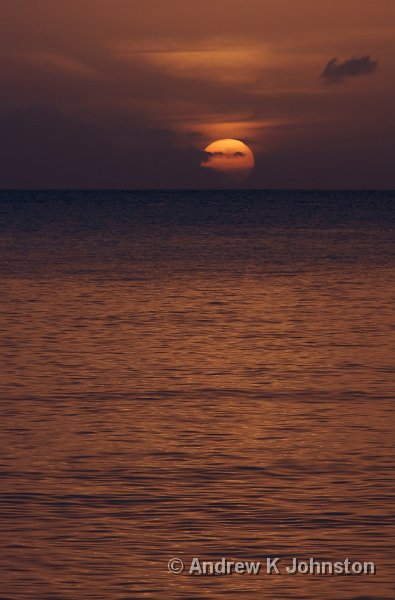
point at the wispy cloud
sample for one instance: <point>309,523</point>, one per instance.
<point>59,62</point>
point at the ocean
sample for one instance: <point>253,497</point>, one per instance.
<point>195,375</point>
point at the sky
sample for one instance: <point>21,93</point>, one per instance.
<point>129,93</point>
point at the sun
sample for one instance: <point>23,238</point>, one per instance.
<point>231,158</point>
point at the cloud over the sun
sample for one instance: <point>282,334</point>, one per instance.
<point>336,71</point>
<point>237,154</point>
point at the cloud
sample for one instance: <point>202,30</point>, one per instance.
<point>42,148</point>
<point>224,154</point>
<point>61,63</point>
<point>354,67</point>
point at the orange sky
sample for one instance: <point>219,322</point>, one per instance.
<point>127,93</point>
